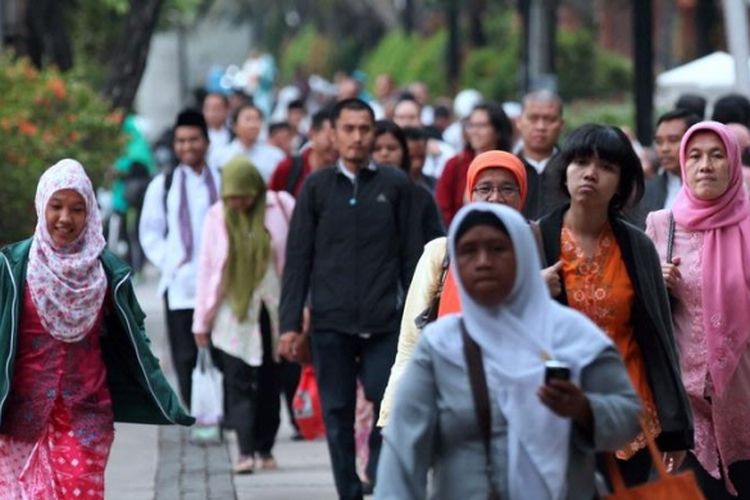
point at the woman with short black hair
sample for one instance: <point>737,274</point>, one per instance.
<point>609,270</point>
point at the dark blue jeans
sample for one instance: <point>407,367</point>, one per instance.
<point>340,359</point>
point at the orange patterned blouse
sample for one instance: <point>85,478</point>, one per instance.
<point>600,288</point>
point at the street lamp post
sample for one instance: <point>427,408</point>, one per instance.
<point>453,50</point>
<point>735,19</point>
<point>538,48</point>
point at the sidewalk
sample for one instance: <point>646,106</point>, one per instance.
<point>149,462</point>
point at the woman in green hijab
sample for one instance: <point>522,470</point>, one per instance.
<point>237,298</point>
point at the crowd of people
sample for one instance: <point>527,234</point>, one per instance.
<point>490,311</point>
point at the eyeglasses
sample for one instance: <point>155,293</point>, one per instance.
<point>506,190</point>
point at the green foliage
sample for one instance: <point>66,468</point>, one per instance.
<point>44,117</point>
<point>427,64</point>
<point>585,70</point>
<point>309,51</point>
<point>391,56</point>
<point>616,113</point>
<point>95,27</point>
<point>410,58</point>
<point>493,72</point>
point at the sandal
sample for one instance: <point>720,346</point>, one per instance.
<point>244,465</point>
<point>268,463</point>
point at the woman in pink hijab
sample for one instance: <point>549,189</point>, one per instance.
<point>704,242</point>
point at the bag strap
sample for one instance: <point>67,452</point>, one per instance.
<point>294,174</point>
<point>478,382</point>
<point>431,311</point>
<point>280,202</point>
<point>168,178</point>
<point>618,484</point>
<point>443,274</point>
<point>670,237</point>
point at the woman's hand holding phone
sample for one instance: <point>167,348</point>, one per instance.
<point>565,398</point>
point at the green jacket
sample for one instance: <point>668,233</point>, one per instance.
<point>140,393</point>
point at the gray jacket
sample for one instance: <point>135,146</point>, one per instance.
<point>433,426</point>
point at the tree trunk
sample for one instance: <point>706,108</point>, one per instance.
<point>705,22</point>
<point>476,13</point>
<point>408,17</point>
<point>453,52</point>
<point>47,40</point>
<point>131,52</point>
<point>643,48</point>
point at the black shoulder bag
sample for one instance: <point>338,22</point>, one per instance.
<point>478,382</point>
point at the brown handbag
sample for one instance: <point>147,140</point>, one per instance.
<point>682,486</point>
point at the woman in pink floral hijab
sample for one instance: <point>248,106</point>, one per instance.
<point>65,276</point>
<point>73,352</point>
<point>704,242</point>
<point>57,428</point>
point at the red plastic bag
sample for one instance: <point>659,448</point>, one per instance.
<point>306,405</point>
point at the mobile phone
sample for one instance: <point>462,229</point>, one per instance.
<point>556,369</point>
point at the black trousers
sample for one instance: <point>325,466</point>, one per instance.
<point>182,348</point>
<point>340,359</point>
<point>267,418</point>
<point>715,489</point>
<point>240,400</point>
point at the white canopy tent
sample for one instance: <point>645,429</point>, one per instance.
<point>710,76</point>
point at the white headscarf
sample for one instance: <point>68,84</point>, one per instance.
<point>67,284</point>
<point>516,338</point>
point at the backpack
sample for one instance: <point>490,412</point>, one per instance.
<point>168,178</point>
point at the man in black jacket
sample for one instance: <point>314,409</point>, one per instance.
<point>352,250</point>
<point>540,124</point>
<point>661,190</point>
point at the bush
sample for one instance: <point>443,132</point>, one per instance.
<point>46,116</point>
<point>391,55</point>
<point>584,70</point>
<point>493,72</point>
<point>309,51</point>
<point>427,63</point>
<point>613,113</point>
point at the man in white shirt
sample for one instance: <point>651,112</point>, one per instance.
<point>170,230</point>
<point>248,123</point>
<point>216,112</point>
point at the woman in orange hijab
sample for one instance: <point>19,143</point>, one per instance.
<point>495,177</point>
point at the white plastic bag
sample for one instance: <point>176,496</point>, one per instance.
<point>207,396</point>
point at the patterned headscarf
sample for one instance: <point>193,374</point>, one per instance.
<point>67,284</point>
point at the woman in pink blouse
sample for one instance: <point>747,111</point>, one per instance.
<point>238,288</point>
<point>704,242</point>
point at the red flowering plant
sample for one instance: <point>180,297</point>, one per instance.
<point>46,116</point>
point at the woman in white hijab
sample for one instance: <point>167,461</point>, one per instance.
<point>543,437</point>
<point>73,352</point>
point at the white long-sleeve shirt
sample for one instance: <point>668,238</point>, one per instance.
<point>167,253</point>
<point>434,164</point>
<point>219,138</point>
<point>264,156</point>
